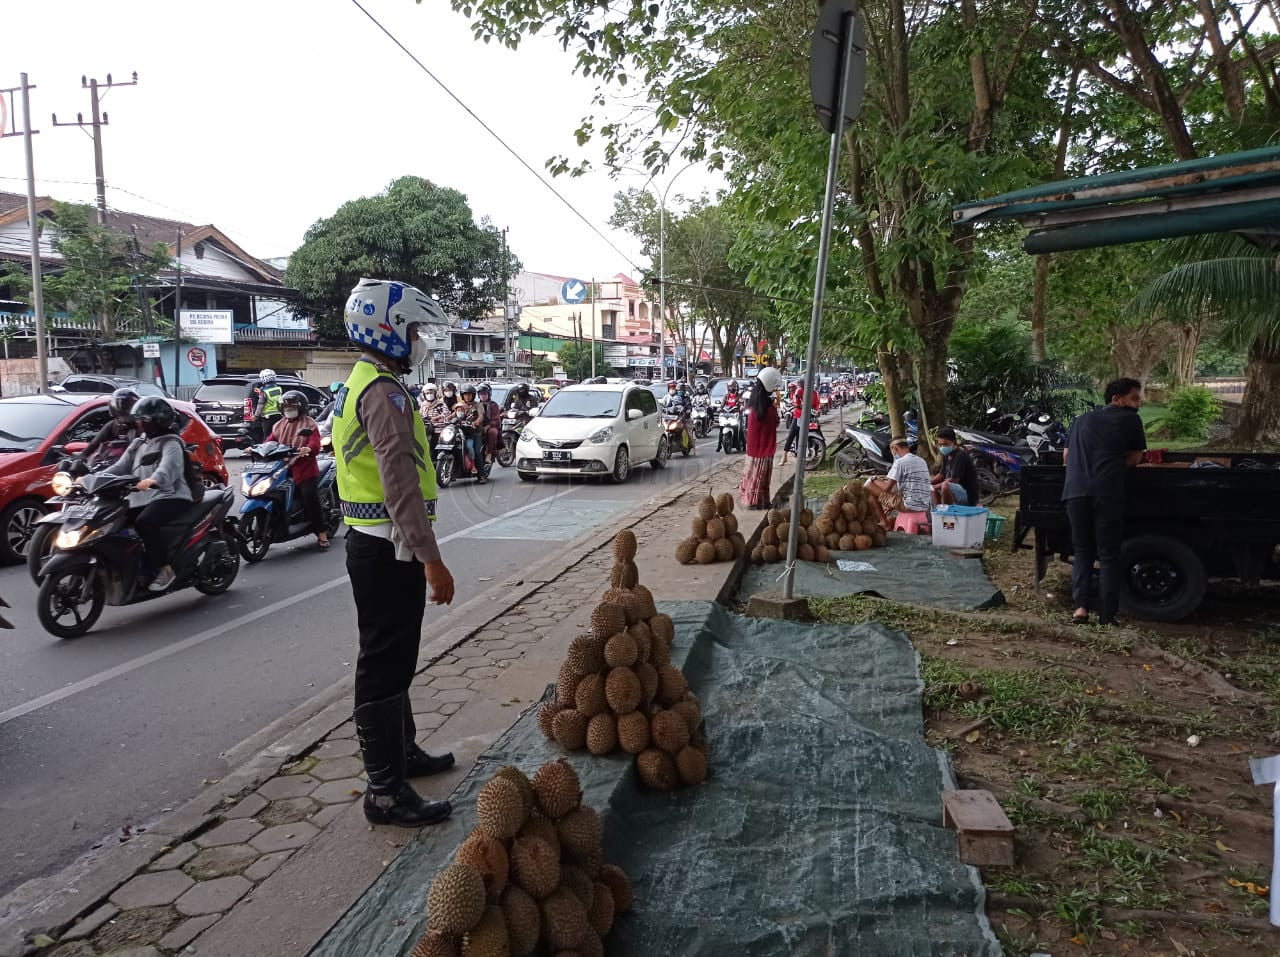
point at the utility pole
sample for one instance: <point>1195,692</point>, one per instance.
<point>177,316</point>
<point>96,123</point>
<point>33,223</point>
<point>593,327</point>
<point>506,306</point>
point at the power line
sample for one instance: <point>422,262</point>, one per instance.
<point>488,129</point>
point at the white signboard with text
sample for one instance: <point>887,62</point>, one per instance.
<point>208,325</point>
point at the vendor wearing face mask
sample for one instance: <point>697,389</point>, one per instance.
<point>302,467</point>
<point>957,481</point>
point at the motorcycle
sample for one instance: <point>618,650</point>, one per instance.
<point>97,558</point>
<point>453,461</point>
<point>998,460</point>
<point>816,447</point>
<point>272,512</point>
<point>513,424</point>
<point>702,416</point>
<point>863,451</point>
<point>733,432</point>
<point>678,436</point>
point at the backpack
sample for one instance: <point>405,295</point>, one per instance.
<point>192,472</point>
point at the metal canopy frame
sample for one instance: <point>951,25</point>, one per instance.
<point>1235,192</point>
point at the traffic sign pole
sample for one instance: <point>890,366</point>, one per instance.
<point>849,30</point>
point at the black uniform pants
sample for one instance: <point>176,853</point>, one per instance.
<point>1097,530</point>
<point>150,521</point>
<point>391,598</point>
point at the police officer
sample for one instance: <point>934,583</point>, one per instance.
<point>266,406</point>
<point>388,489</point>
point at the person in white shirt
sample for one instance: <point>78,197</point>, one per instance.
<point>906,488</point>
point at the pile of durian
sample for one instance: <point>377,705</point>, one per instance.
<point>532,872</point>
<point>617,687</point>
<point>715,535</point>
<point>845,524</point>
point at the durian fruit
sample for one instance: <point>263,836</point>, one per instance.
<point>566,685</point>
<point>691,766</point>
<point>615,878</point>
<point>648,676</point>
<point>535,866</point>
<point>689,709</point>
<point>487,856</point>
<point>825,525</point>
<point>489,937</point>
<point>564,920</point>
<point>822,554</point>
<point>580,832</point>
<point>524,920</point>
<point>862,542</point>
<point>624,546</point>
<point>739,545</point>
<point>601,912</point>
<point>588,698</point>
<point>500,805</point>
<point>632,607</point>
<point>647,607</point>
<point>775,516</point>
<point>544,829</point>
<point>633,732</point>
<point>435,944</point>
<point>663,627</point>
<point>849,511</point>
<point>557,788</point>
<point>657,769</point>
<point>878,539</point>
<point>724,503</point>
<point>757,554</point>
<point>578,883</point>
<point>669,730</point>
<point>770,554</point>
<point>842,527</point>
<point>590,946</point>
<point>602,734</point>
<point>847,543</point>
<point>671,685</point>
<point>585,655</point>
<point>705,553</point>
<point>769,536</point>
<point>622,690</point>
<point>730,523</point>
<point>521,781</point>
<point>624,575</point>
<point>621,651</point>
<point>715,529</point>
<point>805,552</point>
<point>641,635</point>
<point>698,528</point>
<point>547,712</point>
<point>724,550</point>
<point>686,551</point>
<point>571,729</point>
<point>784,534</point>
<point>812,536</point>
<point>806,518</point>
<point>607,620</point>
<point>707,508</point>
<point>456,900</point>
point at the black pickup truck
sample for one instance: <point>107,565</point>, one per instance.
<point>1188,519</point>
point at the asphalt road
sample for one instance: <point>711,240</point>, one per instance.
<point>109,730</point>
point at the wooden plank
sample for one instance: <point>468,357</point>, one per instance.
<point>984,834</point>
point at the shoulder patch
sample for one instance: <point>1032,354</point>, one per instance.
<point>399,401</point>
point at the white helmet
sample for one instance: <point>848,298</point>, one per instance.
<point>380,313</point>
<point>267,375</point>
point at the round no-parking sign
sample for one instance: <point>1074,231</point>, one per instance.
<point>196,357</point>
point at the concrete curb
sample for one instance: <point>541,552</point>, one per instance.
<point>51,904</point>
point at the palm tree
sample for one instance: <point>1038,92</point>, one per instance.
<point>1226,277</point>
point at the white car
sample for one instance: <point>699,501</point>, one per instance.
<point>596,428</point>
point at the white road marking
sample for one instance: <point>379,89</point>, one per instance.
<point>159,654</point>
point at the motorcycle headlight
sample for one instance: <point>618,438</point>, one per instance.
<point>252,485</point>
<point>68,538</point>
<point>62,483</point>
<point>447,433</point>
<point>604,435</point>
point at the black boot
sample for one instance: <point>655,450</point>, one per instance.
<point>389,799</point>
<point>417,763</point>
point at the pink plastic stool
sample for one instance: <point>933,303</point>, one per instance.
<point>913,523</point>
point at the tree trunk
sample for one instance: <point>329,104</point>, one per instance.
<point>1039,307</point>
<point>1260,411</point>
<point>891,377</point>
<point>1136,350</point>
<point>1183,370</point>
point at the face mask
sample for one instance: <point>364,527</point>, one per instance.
<point>290,413</point>
<point>946,449</point>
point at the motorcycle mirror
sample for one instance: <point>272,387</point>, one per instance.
<point>75,448</point>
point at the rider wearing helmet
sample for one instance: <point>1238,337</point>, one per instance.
<point>156,460</point>
<point>521,398</point>
<point>450,396</point>
<point>113,438</point>
<point>470,414</point>
<point>303,468</point>
<point>492,420</point>
<point>266,400</point>
<point>388,490</point>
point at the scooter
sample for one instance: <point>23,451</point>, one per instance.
<point>678,436</point>
<point>817,446</point>
<point>453,462</point>
<point>702,416</point>
<point>513,424</point>
<point>97,558</point>
<point>49,524</point>
<point>733,433</point>
<point>272,511</point>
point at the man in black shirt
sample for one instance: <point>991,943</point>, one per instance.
<point>957,481</point>
<point>1102,446</point>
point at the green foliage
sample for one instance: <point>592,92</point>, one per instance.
<point>1189,413</point>
<point>575,357</point>
<point>993,367</point>
<point>542,368</point>
<point>414,232</point>
<point>1215,360</point>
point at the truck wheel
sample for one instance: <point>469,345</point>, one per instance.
<point>1162,579</point>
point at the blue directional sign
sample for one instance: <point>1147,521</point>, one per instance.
<point>573,291</point>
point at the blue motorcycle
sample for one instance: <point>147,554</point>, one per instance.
<point>272,510</point>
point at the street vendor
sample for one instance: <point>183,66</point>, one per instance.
<point>957,480</point>
<point>905,489</point>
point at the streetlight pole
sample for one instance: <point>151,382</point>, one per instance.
<point>662,272</point>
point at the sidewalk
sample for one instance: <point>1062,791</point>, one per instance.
<point>268,869</point>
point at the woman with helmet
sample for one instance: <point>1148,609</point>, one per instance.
<point>114,437</point>
<point>450,395</point>
<point>470,415</point>
<point>304,471</point>
<point>162,496</point>
<point>762,440</point>
<point>388,488</point>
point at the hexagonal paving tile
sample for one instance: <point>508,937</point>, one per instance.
<point>450,681</point>
<point>509,654</point>
<point>266,865</point>
<point>336,748</point>
<point>220,861</point>
<point>151,890</point>
<point>285,837</point>
<point>428,721</point>
<point>287,810</point>
<point>454,694</point>
<point>213,897</point>
<point>450,707</point>
<point>337,768</point>
<point>175,858</point>
<point>229,832</point>
<point>338,792</point>
<point>248,806</point>
<point>288,786</point>
<point>482,673</point>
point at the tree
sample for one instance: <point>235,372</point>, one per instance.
<point>575,357</point>
<point>100,275</point>
<point>414,232</point>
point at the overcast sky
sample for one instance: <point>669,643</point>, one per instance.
<point>261,116</point>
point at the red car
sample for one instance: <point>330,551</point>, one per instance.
<point>37,431</point>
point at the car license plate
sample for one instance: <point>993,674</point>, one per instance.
<point>217,418</point>
<point>557,456</point>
